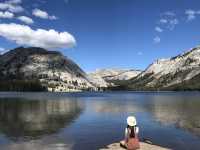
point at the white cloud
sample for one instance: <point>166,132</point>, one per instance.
<point>26,19</point>
<point>16,9</point>
<point>140,53</point>
<point>170,13</point>
<point>24,35</point>
<point>168,21</point>
<point>158,29</point>
<point>6,14</point>
<point>53,17</point>
<point>191,14</point>
<point>157,40</point>
<point>2,50</point>
<point>172,23</point>
<point>12,6</point>
<point>43,14</point>
<point>163,21</point>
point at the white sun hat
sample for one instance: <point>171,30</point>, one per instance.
<point>131,121</point>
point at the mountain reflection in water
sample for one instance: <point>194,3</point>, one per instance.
<point>166,109</point>
<point>181,112</point>
<point>21,118</point>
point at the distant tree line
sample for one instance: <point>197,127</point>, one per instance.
<point>21,85</point>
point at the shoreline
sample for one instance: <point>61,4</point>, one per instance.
<point>143,146</point>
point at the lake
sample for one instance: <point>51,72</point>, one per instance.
<point>89,121</point>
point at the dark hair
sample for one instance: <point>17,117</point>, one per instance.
<point>132,129</point>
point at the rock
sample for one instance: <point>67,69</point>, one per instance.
<point>143,146</point>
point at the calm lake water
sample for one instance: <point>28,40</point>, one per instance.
<point>88,121</point>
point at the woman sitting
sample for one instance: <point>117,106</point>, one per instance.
<point>131,141</point>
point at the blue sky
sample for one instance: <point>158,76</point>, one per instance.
<point>103,33</point>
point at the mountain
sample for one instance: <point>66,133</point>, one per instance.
<point>113,77</point>
<point>36,69</point>
<point>177,73</point>
<point>24,68</point>
<point>98,81</point>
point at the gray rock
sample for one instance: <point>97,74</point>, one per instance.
<point>143,146</point>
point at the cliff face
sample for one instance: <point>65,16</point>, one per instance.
<point>113,77</point>
<point>177,73</point>
<point>55,71</point>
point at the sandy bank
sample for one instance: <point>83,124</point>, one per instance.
<point>143,146</point>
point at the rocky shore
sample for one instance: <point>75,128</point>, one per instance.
<point>143,146</point>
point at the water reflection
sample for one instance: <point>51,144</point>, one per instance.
<point>116,107</point>
<point>22,118</point>
<point>36,124</point>
<point>37,145</point>
<point>179,111</point>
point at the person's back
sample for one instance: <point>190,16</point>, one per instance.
<point>131,141</point>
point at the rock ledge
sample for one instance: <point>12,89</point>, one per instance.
<point>143,146</point>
